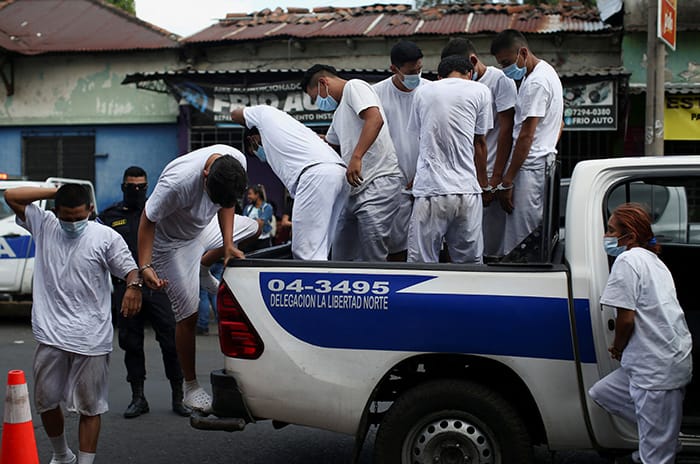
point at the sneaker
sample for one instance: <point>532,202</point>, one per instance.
<point>68,458</point>
<point>198,400</point>
<point>201,331</point>
<point>207,281</point>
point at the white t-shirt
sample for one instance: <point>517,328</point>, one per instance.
<point>540,95</point>
<point>503,96</point>
<point>289,145</point>
<point>397,107</point>
<point>446,114</point>
<point>71,293</point>
<point>658,355</point>
<point>380,159</point>
<point>179,204</point>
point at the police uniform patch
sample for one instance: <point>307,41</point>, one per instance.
<point>120,222</point>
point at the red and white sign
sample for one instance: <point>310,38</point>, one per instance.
<point>667,22</point>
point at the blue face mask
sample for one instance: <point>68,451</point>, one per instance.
<point>260,153</point>
<point>514,71</point>
<point>327,103</point>
<point>612,246</point>
<point>73,229</point>
<point>411,81</point>
<point>475,75</point>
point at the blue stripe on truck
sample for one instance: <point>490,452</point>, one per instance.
<point>368,312</point>
<point>19,247</point>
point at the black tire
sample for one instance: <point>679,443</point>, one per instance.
<point>446,421</point>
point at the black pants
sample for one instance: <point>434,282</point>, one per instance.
<point>155,308</point>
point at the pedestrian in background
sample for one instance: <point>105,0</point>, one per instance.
<point>396,96</point>
<point>538,122</point>
<point>207,301</point>
<point>652,341</point>
<point>124,217</point>
<point>261,211</point>
<point>71,310</point>
<point>359,129</point>
<point>499,140</point>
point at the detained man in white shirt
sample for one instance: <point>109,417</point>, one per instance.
<point>71,311</point>
<point>396,96</point>
<point>373,172</point>
<point>452,117</point>
<point>309,168</point>
<point>190,213</point>
<point>537,126</point>
<point>652,340</point>
<point>499,140</point>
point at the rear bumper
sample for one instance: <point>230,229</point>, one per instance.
<point>230,412</point>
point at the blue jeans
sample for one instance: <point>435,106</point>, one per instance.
<point>208,300</point>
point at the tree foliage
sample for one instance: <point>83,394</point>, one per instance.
<point>127,5</point>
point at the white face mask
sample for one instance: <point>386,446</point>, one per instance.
<point>612,246</point>
<point>74,229</point>
<point>410,81</point>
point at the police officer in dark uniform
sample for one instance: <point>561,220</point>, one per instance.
<point>124,218</point>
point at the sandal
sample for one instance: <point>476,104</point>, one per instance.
<point>198,400</point>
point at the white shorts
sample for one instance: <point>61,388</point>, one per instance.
<point>365,223</point>
<point>528,205</point>
<point>455,218</point>
<point>321,194</point>
<point>494,229</point>
<point>78,381</point>
<point>398,237</point>
<point>178,262</point>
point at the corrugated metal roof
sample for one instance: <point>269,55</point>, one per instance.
<point>33,27</point>
<point>399,20</point>
<point>200,74</point>
<point>690,88</point>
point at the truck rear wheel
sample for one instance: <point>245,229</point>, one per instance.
<point>452,422</point>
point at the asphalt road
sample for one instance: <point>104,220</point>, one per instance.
<point>161,437</point>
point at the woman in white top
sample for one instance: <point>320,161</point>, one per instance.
<point>652,341</point>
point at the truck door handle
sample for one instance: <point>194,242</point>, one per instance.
<point>611,325</point>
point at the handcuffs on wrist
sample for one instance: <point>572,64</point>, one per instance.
<point>138,283</point>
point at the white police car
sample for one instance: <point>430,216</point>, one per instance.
<point>16,244</point>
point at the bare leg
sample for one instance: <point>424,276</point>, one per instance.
<point>186,346</point>
<point>88,432</point>
<point>53,422</point>
<point>212,256</point>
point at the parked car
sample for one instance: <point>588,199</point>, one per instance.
<point>16,243</point>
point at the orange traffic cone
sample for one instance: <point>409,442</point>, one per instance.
<point>18,443</point>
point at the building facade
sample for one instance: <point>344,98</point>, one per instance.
<point>63,110</point>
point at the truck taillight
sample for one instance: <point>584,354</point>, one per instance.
<point>237,337</point>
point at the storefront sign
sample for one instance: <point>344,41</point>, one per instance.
<point>682,117</point>
<point>212,103</point>
<point>591,106</point>
<point>666,23</point>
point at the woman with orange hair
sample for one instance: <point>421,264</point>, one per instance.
<point>652,341</point>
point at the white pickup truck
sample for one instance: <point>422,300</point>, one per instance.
<point>456,363</point>
<point>16,243</point>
